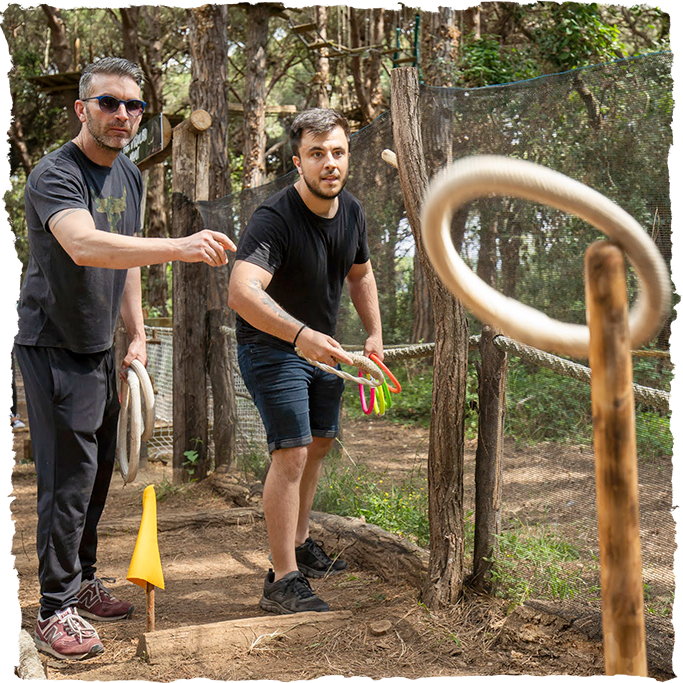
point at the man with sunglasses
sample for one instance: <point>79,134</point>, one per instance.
<point>82,213</point>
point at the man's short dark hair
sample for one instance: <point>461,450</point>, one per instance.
<point>111,66</point>
<point>317,122</point>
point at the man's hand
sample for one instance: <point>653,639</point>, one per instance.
<point>207,246</point>
<point>137,349</point>
<point>321,347</point>
<point>373,344</point>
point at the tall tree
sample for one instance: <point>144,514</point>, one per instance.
<point>209,91</point>
<point>322,71</point>
<point>254,99</point>
<point>63,58</point>
<point>446,434</point>
<point>367,30</point>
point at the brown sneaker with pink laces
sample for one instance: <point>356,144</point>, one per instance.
<point>97,603</point>
<point>66,635</point>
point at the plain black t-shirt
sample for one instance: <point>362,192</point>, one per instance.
<point>308,255</point>
<point>61,304</point>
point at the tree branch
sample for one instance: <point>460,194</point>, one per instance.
<point>281,72</point>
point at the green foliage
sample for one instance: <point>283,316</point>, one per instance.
<point>653,435</point>
<point>579,35</point>
<point>191,457</point>
<point>358,492</point>
<point>485,61</point>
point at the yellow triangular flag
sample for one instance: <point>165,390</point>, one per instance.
<point>145,566</point>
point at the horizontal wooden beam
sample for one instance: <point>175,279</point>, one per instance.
<point>235,637</point>
<point>235,108</point>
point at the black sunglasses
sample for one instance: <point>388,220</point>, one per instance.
<point>110,105</point>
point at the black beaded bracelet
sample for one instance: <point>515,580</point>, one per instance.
<point>298,333</point>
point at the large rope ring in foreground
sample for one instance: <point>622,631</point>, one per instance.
<point>478,176</point>
<point>375,379</point>
<point>128,448</point>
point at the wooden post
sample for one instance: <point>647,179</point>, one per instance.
<point>190,412</point>
<point>149,593</point>
<point>489,459</point>
<point>616,471</point>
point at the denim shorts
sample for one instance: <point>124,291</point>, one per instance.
<point>296,400</point>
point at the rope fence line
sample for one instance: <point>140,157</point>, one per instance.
<point>654,398</point>
<point>250,428</point>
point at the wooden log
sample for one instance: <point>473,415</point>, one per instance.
<point>616,467</point>
<point>177,520</point>
<point>190,410</point>
<point>372,548</point>
<point>235,637</point>
<point>492,374</point>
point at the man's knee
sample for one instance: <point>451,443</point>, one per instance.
<point>288,463</point>
<point>320,447</point>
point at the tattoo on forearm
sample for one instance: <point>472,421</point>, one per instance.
<point>52,223</point>
<point>276,308</point>
<point>256,286</point>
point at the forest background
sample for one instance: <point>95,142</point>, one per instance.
<point>254,66</point>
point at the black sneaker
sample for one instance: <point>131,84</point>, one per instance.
<point>292,593</point>
<point>313,561</point>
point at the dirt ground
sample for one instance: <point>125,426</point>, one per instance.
<point>215,573</point>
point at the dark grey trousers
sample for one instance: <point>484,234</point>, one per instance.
<point>73,413</point>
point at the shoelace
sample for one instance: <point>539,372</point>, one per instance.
<point>100,590</point>
<point>317,550</point>
<point>302,588</point>
<point>77,626</point>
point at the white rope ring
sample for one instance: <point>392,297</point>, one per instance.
<point>360,361</point>
<point>128,449</point>
<point>478,176</point>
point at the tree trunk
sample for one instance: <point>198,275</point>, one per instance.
<point>156,225</point>
<point>367,72</point>
<point>440,44</point>
<point>510,243</point>
<point>446,436</point>
<point>440,47</point>
<point>130,20</point>
<point>322,72</point>
<point>254,100</point>
<point>61,52</point>
<point>16,136</point>
<point>423,316</point>
<point>473,21</point>
<point>156,221</point>
<point>209,91</point>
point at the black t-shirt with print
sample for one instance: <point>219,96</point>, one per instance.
<point>309,257</point>
<point>62,304</point>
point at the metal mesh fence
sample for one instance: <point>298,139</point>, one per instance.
<point>250,432</point>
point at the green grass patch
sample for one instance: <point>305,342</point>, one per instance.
<point>534,561</point>
<point>358,492</point>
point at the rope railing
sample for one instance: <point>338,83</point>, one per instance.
<point>654,398</point>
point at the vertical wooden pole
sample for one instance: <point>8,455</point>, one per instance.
<point>616,467</point>
<point>190,410</point>
<point>488,474</point>
<point>149,592</point>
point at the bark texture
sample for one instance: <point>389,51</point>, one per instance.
<point>446,447</point>
<point>209,91</point>
<point>254,100</point>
